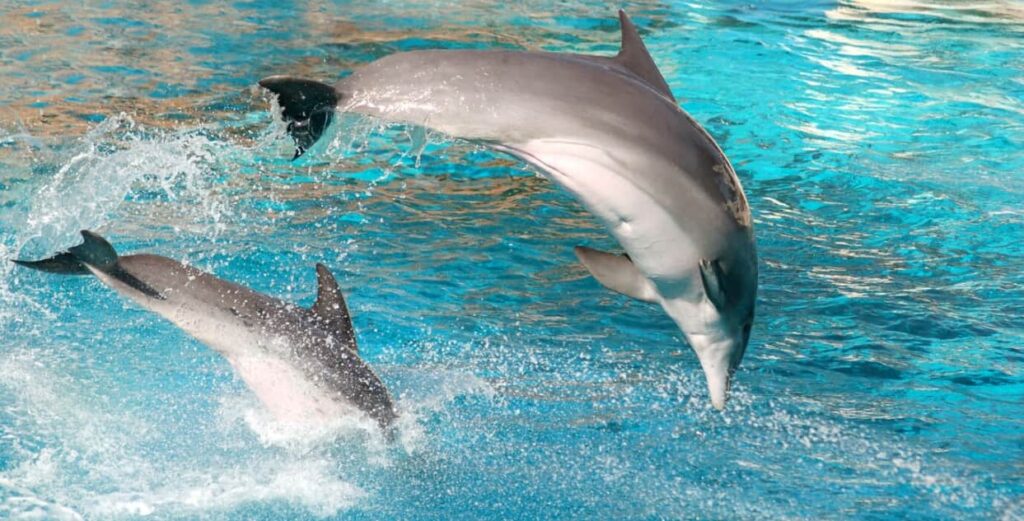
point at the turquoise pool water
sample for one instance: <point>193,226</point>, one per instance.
<point>879,143</point>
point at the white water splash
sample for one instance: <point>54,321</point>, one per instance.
<point>113,162</point>
<point>95,465</point>
<point>243,409</point>
<point>310,483</point>
<point>114,159</point>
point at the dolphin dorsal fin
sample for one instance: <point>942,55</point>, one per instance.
<point>634,57</point>
<point>330,307</point>
<point>617,273</point>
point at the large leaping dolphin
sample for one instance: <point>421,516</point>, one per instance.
<point>609,131</point>
<point>301,363</point>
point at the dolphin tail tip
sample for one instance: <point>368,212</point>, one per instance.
<point>62,263</point>
<point>307,106</point>
<point>94,250</point>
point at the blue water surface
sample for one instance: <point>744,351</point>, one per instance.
<point>880,146</point>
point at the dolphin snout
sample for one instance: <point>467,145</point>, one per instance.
<point>719,379</point>
<point>719,363</point>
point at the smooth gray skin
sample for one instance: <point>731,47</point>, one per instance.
<point>301,363</point>
<point>610,132</point>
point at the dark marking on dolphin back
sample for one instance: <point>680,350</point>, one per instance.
<point>306,105</point>
<point>133,282</point>
<point>95,251</point>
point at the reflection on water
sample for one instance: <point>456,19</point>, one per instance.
<point>880,147</point>
<point>999,12</point>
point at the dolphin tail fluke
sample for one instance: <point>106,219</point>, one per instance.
<point>306,105</point>
<point>94,250</point>
<point>95,253</point>
<point>63,263</point>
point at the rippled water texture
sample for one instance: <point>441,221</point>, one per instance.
<point>880,144</point>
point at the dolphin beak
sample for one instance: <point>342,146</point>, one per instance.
<point>718,385</point>
<point>718,373</point>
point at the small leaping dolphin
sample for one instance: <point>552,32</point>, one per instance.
<point>302,364</point>
<point>609,131</point>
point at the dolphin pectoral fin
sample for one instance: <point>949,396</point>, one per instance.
<point>331,309</point>
<point>711,278</point>
<point>617,273</point>
<point>63,263</point>
<point>634,57</point>
<point>306,105</point>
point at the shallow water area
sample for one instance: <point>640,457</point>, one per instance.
<point>880,147</point>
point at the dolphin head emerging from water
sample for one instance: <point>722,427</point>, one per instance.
<point>608,130</point>
<point>303,364</point>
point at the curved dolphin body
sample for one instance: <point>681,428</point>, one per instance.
<point>302,363</point>
<point>609,131</point>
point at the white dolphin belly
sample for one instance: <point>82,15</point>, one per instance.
<point>658,244</point>
<point>285,391</point>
